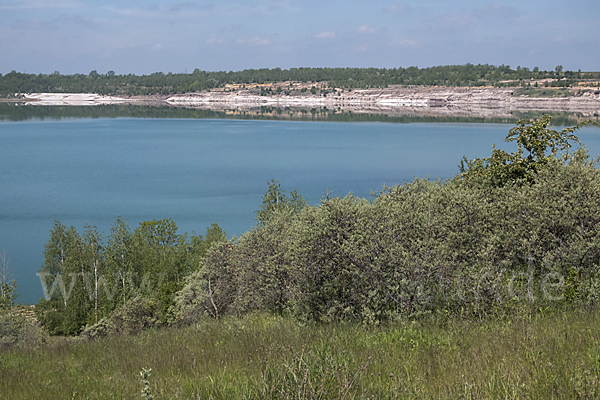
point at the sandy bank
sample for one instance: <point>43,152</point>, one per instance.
<point>72,99</point>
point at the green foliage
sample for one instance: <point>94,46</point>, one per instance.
<point>192,301</point>
<point>86,280</point>
<point>9,330</point>
<point>119,261</point>
<point>275,199</point>
<point>263,276</point>
<point>8,294</point>
<point>66,269</point>
<point>538,137</point>
<point>160,83</point>
<point>206,291</point>
<point>325,276</point>
<point>548,354</point>
<point>535,137</point>
<point>210,291</point>
<point>8,290</point>
<point>19,328</point>
<point>257,278</point>
<point>464,246</point>
<point>133,317</point>
<point>200,245</point>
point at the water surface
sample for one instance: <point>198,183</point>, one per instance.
<point>200,171</point>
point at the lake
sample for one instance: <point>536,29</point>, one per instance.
<point>200,171</point>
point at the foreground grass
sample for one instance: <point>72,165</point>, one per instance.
<point>555,356</point>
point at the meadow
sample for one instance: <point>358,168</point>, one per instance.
<point>536,354</point>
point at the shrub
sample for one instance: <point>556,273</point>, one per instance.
<point>536,137</point>
<point>18,328</point>
<point>210,291</point>
<point>510,229</point>
<point>134,316</point>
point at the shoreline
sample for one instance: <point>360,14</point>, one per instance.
<point>438,101</point>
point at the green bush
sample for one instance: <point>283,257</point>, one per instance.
<point>471,246</point>
<point>19,329</point>
<point>513,232</point>
<point>133,317</point>
<point>538,144</point>
<point>9,330</point>
<point>209,291</point>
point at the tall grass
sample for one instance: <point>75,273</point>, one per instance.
<point>266,357</point>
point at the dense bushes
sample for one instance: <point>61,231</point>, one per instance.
<point>18,327</point>
<point>134,316</point>
<point>419,246</point>
<point>496,237</point>
<point>465,246</point>
<point>208,291</point>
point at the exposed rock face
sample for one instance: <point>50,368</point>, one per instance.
<point>434,100</point>
<point>72,99</point>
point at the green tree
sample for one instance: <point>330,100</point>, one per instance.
<point>160,260</point>
<point>84,280</point>
<point>275,199</point>
<point>8,290</point>
<point>94,257</point>
<point>66,305</point>
<point>537,143</point>
<point>211,289</point>
<point>199,245</point>
<point>119,263</point>
<point>155,244</point>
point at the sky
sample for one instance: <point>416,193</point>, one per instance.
<point>142,37</point>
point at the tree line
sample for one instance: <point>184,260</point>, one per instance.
<point>111,83</point>
<point>86,278</point>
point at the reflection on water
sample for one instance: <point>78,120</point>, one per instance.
<point>92,164</point>
<point>24,112</point>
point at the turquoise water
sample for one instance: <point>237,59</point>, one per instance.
<point>197,172</point>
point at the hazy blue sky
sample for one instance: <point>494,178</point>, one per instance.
<point>141,37</point>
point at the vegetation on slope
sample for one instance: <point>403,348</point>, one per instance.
<point>342,78</point>
<point>539,355</point>
<point>483,286</point>
<point>86,279</point>
<point>511,227</point>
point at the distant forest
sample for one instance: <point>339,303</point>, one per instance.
<point>344,78</point>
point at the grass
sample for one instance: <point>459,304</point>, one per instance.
<point>265,357</point>
<point>543,92</point>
